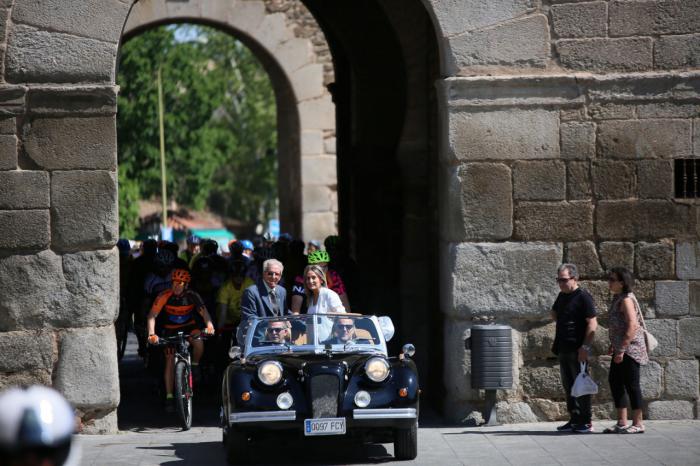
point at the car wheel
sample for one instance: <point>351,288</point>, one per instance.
<point>406,443</point>
<point>237,451</point>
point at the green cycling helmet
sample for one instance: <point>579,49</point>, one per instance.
<point>319,256</point>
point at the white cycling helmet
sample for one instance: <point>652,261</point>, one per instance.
<point>36,423</point>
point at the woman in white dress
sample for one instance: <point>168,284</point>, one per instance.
<point>320,299</point>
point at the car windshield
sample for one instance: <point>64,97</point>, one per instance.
<point>312,333</point>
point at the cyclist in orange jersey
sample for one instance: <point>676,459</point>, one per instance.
<point>181,306</point>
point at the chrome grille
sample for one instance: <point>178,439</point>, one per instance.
<point>324,395</point>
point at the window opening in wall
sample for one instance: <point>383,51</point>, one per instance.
<point>686,172</point>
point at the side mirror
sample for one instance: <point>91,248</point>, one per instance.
<point>387,327</point>
<point>234,352</point>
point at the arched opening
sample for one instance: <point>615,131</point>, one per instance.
<point>221,152</point>
<point>288,126</point>
<point>220,134</point>
<point>386,62</point>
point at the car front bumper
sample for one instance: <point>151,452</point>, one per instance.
<point>360,418</point>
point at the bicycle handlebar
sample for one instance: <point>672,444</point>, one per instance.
<point>166,341</point>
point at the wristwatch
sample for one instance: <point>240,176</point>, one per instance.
<point>586,347</point>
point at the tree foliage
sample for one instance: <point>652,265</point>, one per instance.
<point>220,125</point>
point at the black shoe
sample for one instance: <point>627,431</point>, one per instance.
<point>583,428</point>
<point>568,427</point>
<point>170,405</point>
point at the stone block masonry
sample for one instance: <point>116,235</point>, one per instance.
<point>83,209</point>
<point>606,54</point>
<point>557,124</point>
<point>574,20</point>
<point>647,17</point>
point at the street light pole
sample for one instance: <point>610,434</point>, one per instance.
<point>162,150</point>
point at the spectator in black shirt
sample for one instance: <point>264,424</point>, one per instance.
<point>575,315</point>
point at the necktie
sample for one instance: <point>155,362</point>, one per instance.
<point>273,301</point>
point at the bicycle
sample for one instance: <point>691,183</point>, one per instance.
<point>184,385</point>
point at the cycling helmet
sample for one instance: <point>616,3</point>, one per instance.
<point>36,422</point>
<point>209,247</point>
<point>180,275</point>
<point>331,242</point>
<point>164,259</point>
<point>236,249</point>
<point>247,244</point>
<point>124,247</point>
<point>285,237</point>
<point>319,256</point>
<point>193,239</point>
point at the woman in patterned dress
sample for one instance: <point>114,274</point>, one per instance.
<point>628,349</point>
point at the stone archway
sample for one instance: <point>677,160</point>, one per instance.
<point>305,113</point>
<point>596,80</point>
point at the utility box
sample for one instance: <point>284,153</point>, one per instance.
<point>492,363</point>
<point>492,357</point>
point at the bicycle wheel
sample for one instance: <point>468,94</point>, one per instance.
<point>183,394</point>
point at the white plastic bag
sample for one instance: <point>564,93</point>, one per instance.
<point>584,384</point>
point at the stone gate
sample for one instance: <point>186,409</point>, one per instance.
<point>479,145</point>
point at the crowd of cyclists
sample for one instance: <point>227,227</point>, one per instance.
<point>164,290</point>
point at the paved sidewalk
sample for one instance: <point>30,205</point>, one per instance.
<point>664,443</point>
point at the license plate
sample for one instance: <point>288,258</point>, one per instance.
<point>326,426</point>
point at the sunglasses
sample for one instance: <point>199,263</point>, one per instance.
<point>563,280</point>
<point>276,329</point>
<point>345,327</point>
<point>613,279</point>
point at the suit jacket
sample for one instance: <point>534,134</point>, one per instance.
<point>256,301</point>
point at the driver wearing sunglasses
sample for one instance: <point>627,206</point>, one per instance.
<point>343,331</point>
<point>277,332</point>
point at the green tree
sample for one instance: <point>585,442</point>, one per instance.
<point>220,124</point>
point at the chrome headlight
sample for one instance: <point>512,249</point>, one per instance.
<point>270,372</point>
<point>362,399</point>
<point>377,369</point>
<point>285,400</point>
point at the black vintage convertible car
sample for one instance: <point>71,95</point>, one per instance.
<point>319,375</point>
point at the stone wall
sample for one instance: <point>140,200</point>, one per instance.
<point>558,124</point>
<point>58,184</point>
<point>543,164</point>
<point>58,203</point>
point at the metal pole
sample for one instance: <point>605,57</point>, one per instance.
<point>162,150</point>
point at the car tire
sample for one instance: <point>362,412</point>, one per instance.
<point>406,443</point>
<point>237,451</point>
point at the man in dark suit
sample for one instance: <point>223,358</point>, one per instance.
<point>266,298</point>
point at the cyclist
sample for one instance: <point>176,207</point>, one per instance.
<point>314,245</point>
<point>181,306</point>
<point>228,302</point>
<point>192,249</point>
<point>343,264</point>
<point>178,262</point>
<point>248,249</point>
<point>333,282</point>
<point>142,266</point>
